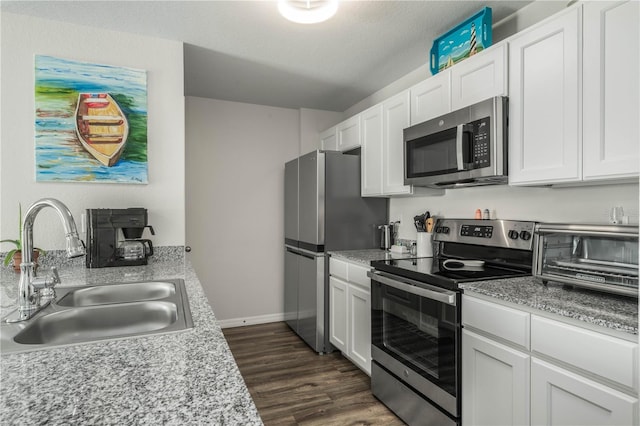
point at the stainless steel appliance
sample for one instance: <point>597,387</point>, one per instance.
<point>466,147</point>
<point>416,314</point>
<point>323,211</point>
<point>598,257</point>
<point>114,237</point>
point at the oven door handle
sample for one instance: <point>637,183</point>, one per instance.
<point>415,287</point>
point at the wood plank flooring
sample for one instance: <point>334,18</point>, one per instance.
<point>292,385</point>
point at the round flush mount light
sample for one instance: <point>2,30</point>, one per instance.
<point>307,11</point>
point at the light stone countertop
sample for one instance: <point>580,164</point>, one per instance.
<point>188,377</point>
<point>366,256</point>
<point>608,312</point>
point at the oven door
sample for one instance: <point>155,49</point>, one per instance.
<point>416,337</point>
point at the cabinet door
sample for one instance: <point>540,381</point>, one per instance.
<point>611,89</point>
<point>338,313</point>
<point>431,98</point>
<point>480,77</point>
<point>371,153</point>
<point>360,327</point>
<point>329,140</point>
<point>544,102</point>
<point>495,382</point>
<point>396,119</point>
<point>349,133</point>
<point>560,397</point>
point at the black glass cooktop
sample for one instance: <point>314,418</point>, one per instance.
<point>448,275</point>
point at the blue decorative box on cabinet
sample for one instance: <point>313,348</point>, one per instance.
<point>462,41</point>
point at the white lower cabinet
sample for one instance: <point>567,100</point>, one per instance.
<point>359,307</point>
<point>350,311</point>
<point>520,368</point>
<point>495,382</point>
<point>561,397</point>
<point>338,313</point>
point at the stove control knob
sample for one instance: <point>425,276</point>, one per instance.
<point>439,230</point>
<point>513,234</point>
<point>525,235</point>
<point>445,229</point>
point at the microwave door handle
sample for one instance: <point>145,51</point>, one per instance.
<point>460,147</point>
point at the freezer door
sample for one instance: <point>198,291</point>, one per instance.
<point>311,200</point>
<point>291,200</point>
<point>291,272</point>
<point>311,305</point>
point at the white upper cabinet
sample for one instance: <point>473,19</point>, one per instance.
<point>544,101</point>
<point>610,81</point>
<point>348,133</point>
<point>371,153</point>
<point>395,119</point>
<point>382,155</point>
<point>329,140</point>
<point>431,97</point>
<point>479,77</point>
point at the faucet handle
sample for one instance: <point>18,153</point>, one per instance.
<point>47,282</point>
<point>55,278</point>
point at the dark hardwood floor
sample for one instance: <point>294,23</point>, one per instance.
<point>292,385</point>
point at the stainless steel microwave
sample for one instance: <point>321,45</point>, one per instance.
<point>466,147</point>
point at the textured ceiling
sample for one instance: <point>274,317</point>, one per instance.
<point>244,51</point>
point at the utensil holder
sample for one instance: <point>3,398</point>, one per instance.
<point>424,244</point>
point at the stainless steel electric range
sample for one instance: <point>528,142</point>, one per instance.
<point>416,314</point>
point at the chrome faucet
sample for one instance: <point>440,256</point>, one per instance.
<point>36,293</point>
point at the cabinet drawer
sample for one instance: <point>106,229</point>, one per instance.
<point>501,321</point>
<point>600,354</point>
<point>358,275</point>
<point>338,268</point>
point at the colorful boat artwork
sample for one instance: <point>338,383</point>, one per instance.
<point>101,126</point>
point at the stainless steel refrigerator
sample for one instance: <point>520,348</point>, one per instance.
<point>323,212</point>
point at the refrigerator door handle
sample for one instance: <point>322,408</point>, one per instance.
<point>302,252</point>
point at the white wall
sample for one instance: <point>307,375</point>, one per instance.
<point>550,204</point>
<point>22,38</point>
<point>235,204</point>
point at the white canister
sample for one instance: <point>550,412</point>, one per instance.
<point>424,244</point>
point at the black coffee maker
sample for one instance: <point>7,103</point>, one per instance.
<point>114,237</point>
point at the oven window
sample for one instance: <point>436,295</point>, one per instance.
<point>432,155</point>
<point>419,332</point>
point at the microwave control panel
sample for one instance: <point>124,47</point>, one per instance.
<point>481,152</point>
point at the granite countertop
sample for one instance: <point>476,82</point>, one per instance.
<point>610,312</point>
<point>366,256</point>
<point>188,377</point>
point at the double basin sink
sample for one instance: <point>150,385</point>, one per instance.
<point>102,312</point>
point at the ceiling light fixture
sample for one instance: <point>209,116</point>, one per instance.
<point>307,11</point>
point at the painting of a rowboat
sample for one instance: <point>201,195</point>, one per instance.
<point>91,122</point>
<point>102,127</point>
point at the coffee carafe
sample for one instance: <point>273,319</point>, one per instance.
<point>114,237</point>
<point>134,247</point>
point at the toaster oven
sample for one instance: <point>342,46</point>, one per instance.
<point>598,257</point>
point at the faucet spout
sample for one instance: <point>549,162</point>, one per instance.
<point>29,295</point>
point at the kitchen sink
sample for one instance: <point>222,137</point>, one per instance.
<point>102,312</point>
<point>120,293</point>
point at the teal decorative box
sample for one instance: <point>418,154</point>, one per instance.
<point>462,41</point>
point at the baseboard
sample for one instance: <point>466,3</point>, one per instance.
<point>261,319</point>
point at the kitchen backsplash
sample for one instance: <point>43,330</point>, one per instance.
<point>584,204</point>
